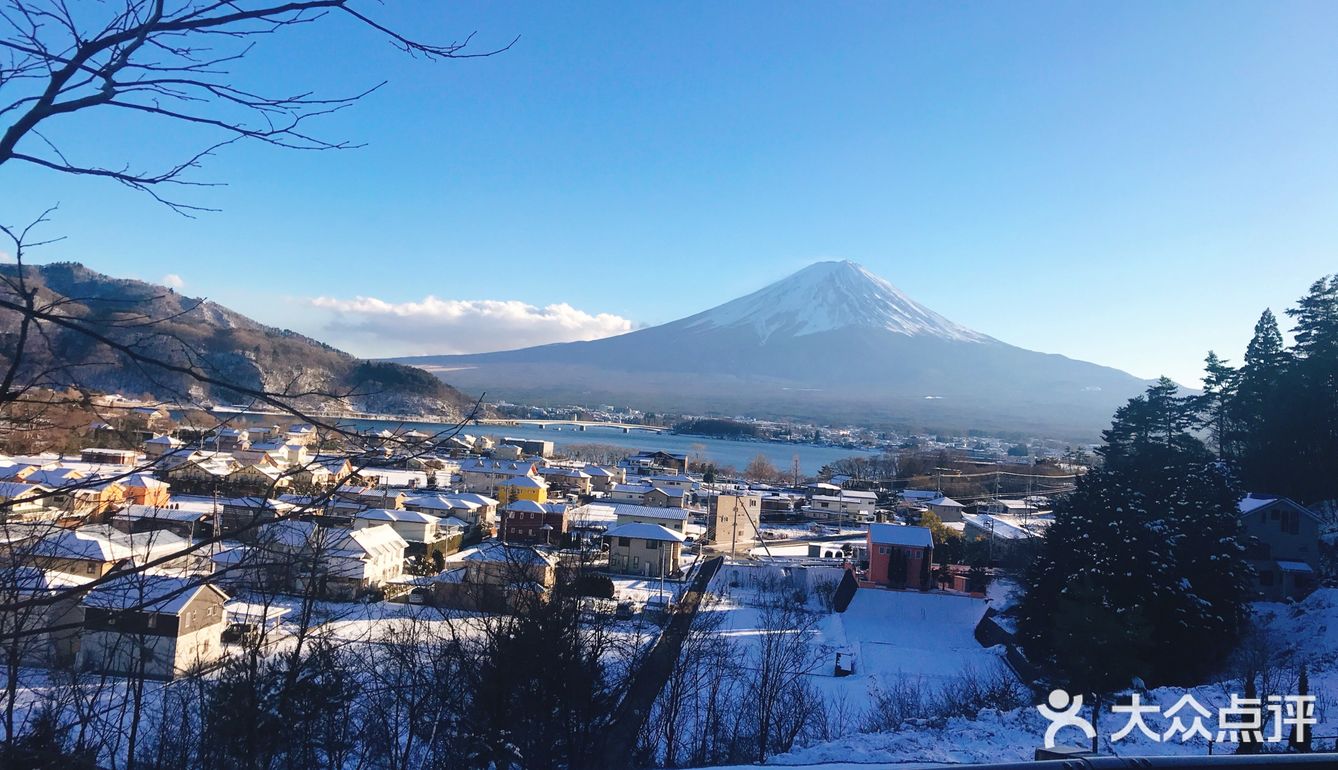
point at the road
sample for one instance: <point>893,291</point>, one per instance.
<point>654,672</point>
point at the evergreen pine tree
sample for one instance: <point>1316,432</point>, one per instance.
<point>1215,405</point>
<point>1258,408</point>
<point>1142,561</point>
<point>1311,395</point>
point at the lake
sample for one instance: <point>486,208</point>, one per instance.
<point>719,451</point>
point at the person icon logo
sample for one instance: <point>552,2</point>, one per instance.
<point>1062,712</point>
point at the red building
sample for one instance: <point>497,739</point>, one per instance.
<point>900,557</point>
<point>525,521</point>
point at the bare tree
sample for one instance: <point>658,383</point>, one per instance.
<point>167,63</point>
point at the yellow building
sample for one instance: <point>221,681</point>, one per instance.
<point>522,488</point>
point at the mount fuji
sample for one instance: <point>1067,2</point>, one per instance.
<point>832,342</point>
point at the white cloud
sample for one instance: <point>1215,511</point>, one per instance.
<point>379,328</point>
<point>172,280</point>
<point>6,257</point>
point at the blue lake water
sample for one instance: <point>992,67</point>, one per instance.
<point>719,451</point>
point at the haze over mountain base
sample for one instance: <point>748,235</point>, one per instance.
<point>832,342</point>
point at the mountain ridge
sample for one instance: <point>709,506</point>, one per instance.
<point>210,337</point>
<point>832,342</point>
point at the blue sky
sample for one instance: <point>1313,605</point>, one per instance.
<point>1129,184</point>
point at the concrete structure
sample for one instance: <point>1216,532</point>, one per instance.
<point>734,521</point>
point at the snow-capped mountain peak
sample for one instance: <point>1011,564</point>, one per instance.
<point>827,296</point>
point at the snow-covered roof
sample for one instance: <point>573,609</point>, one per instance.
<point>144,480</point>
<point>525,482</point>
<point>645,531</point>
<point>895,534</point>
<point>389,514</point>
<point>1294,566</point>
<point>1006,527</point>
<point>161,514</point>
<point>497,551</point>
<point>669,491</point>
<point>17,490</point>
<point>1254,502</point>
<point>147,593</point>
<point>530,506</point>
<point>920,495</point>
<point>649,512</point>
<point>943,501</point>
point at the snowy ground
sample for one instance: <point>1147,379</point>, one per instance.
<point>1306,631</point>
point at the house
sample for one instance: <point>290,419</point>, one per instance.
<point>485,476</point>
<point>900,557</point>
<point>474,509</point>
<point>90,498</point>
<point>733,520</point>
<point>260,479</point>
<point>94,550</point>
<point>25,502</point>
<point>567,480</point>
<point>152,625</point>
<point>1282,545</point>
<point>371,497</point>
<point>495,563</point>
<point>945,508</point>
<point>666,497</point>
<point>845,504</point>
<point>531,446</point>
<point>648,550</point>
<point>919,496</point>
<point>628,493</point>
<point>672,481</point>
<point>1019,508</point>
<point>423,533</point>
<point>334,561</point>
<point>495,576</point>
<point>1004,526</point>
<point>98,456</point>
<point>143,489</point>
<point>675,519</point>
<point>602,478</point>
<point>531,488</point>
<point>526,521</point>
<point>52,625</point>
<point>242,514</point>
<point>649,463</point>
<point>162,445</point>
<point>186,524</point>
<point>199,472</point>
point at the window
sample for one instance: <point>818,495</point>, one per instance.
<point>153,620</point>
<point>883,550</point>
<point>625,541</point>
<point>653,544</point>
<point>90,569</point>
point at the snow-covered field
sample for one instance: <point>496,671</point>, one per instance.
<point>1303,632</point>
